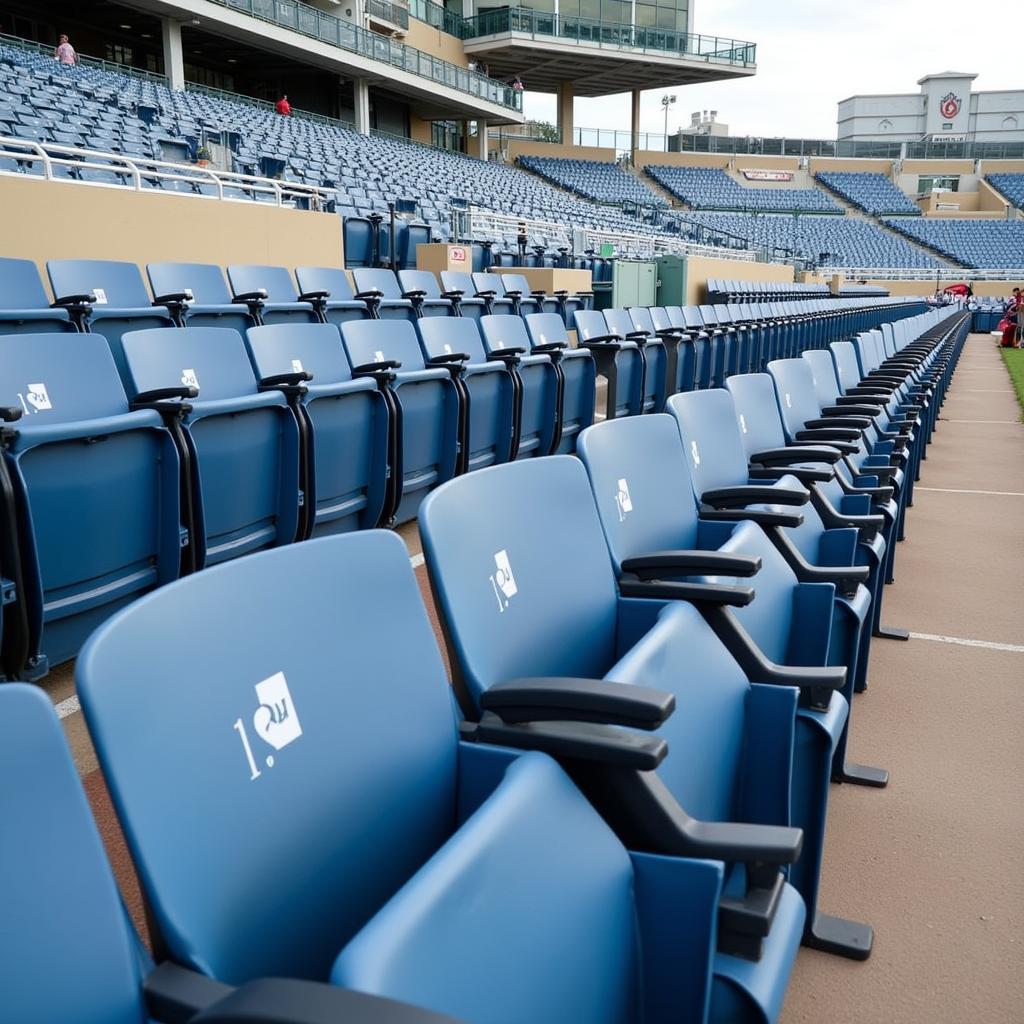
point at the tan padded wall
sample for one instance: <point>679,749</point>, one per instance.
<point>700,268</point>
<point>1006,166</point>
<point>937,167</point>
<point>990,200</point>
<point>437,43</point>
<point>44,220</point>
<point>835,163</point>
<point>643,157</point>
<point>420,130</point>
<point>997,288</point>
<point>526,147</point>
<point>766,163</point>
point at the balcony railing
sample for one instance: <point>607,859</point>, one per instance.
<point>331,30</point>
<point>395,14</point>
<point>437,16</point>
<point>609,33</point>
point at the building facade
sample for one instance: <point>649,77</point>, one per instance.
<point>945,109</point>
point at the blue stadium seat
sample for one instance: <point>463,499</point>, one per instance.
<point>489,413</point>
<point>514,289</point>
<point>241,445</point>
<point>24,304</point>
<point>346,419</point>
<point>412,903</point>
<point>391,303</point>
<point>424,282</point>
<point>536,300</point>
<point>423,410</point>
<point>619,360</point>
<point>210,305</point>
<point>95,487</point>
<point>271,294</point>
<point>335,300</point>
<point>108,297</point>
<point>654,352</point>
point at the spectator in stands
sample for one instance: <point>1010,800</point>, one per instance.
<point>517,84</point>
<point>1010,318</point>
<point>283,107</point>
<point>65,52</point>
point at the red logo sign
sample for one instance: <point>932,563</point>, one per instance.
<point>949,107</point>
<point>457,254</point>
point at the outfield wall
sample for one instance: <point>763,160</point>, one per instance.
<point>44,220</point>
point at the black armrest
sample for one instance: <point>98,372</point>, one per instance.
<point>669,332</point>
<point>163,394</point>
<point>828,422</point>
<point>175,994</point>
<point>85,299</point>
<point>383,372</point>
<point>869,403</point>
<point>539,293</point>
<point>603,339</point>
<point>760,516</point>
<point>285,379</point>
<point>370,294</point>
<point>260,295</point>
<point>512,293</point>
<point>559,293</point>
<point>795,454</point>
<point>657,564</point>
<point>415,293</point>
<point>578,741</point>
<point>748,494</point>
<point>550,348</point>
<point>679,590</point>
<point>831,434</point>
<point>446,358</point>
<point>567,699</point>
<point>454,294</point>
<point>869,392</point>
<point>293,1001</point>
<point>489,294</point>
<point>637,335</point>
<point>315,297</point>
<point>736,842</point>
<point>174,298</point>
<point>805,474</point>
<point>10,413</point>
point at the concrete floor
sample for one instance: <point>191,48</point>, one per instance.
<point>935,861</point>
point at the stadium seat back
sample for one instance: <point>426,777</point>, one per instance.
<point>67,952</point>
<point>276,281</point>
<point>757,411</point>
<point>379,279</point>
<point>21,286</point>
<point>458,281</point>
<point>114,283</point>
<point>325,279</point>
<point>823,369</point>
<point>291,348</point>
<point>366,343</point>
<point>547,329</point>
<point>794,386</point>
<point>447,335</point>
<point>358,238</point>
<point>711,438</point>
<point>337,787</point>
<point>508,331</point>
<point>204,280</point>
<point>420,280</point>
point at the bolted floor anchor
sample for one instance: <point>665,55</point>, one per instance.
<point>840,937</point>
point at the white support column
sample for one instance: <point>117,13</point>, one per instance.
<point>362,105</point>
<point>174,59</point>
<point>481,139</point>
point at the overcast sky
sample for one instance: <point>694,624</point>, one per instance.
<point>810,55</point>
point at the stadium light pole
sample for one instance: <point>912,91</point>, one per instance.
<point>666,101</point>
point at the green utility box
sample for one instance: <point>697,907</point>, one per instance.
<point>634,283</point>
<point>671,281</point>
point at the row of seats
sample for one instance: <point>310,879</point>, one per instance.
<point>985,244</point>
<point>240,427</point>
<point>599,180</point>
<point>667,862</point>
<point>869,191</point>
<point>1010,185</point>
<point>720,290</point>
<point>710,188</point>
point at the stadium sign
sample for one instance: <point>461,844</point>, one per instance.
<point>768,175</point>
<point>949,106</point>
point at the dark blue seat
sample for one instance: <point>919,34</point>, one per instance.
<point>241,445</point>
<point>359,241</point>
<point>653,350</point>
<point>108,297</point>
<point>346,419</point>
<point>336,302</point>
<point>423,410</point>
<point>24,304</point>
<point>576,367</point>
<point>619,360</point>
<point>418,851</point>
<point>210,304</point>
<point>533,300</point>
<point>271,294</point>
<point>489,413</point>
<point>423,285</point>
<point>95,487</point>
<point>109,979</point>
<point>391,303</point>
<point>706,343</point>
<point>517,291</point>
<point>465,282</point>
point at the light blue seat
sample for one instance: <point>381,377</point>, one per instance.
<point>271,294</point>
<point>422,288</point>
<point>95,488</point>
<point>513,288</point>
<point>534,300</point>
<point>418,852</point>
<point>210,305</point>
<point>240,445</point>
<point>488,415</point>
<point>654,351</point>
<point>423,410</point>
<point>619,360</point>
<point>24,304</point>
<point>109,298</point>
<point>465,282</point>
<point>344,419</point>
<point>390,302</point>
<point>426,281</point>
<point>335,300</point>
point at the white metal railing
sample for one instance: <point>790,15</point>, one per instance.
<point>928,273</point>
<point>485,224</point>
<point>134,169</point>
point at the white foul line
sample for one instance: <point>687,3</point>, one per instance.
<point>990,645</point>
<point>957,490</point>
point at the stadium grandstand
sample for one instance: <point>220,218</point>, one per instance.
<point>452,574</point>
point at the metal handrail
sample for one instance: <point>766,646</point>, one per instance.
<point>396,14</point>
<point>28,151</point>
<point>930,273</point>
<point>110,66</point>
<point>609,33</point>
<point>437,16</point>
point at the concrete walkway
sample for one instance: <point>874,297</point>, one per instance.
<point>936,861</point>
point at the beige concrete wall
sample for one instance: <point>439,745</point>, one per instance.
<point>419,130</point>
<point>643,157</point>
<point>552,279</point>
<point>700,268</point>
<point>990,200</point>
<point>45,220</point>
<point>835,163</point>
<point>997,288</point>
<point>1006,166</point>
<point>527,147</point>
<point>766,163</point>
<point>938,167</point>
<point>437,43</point>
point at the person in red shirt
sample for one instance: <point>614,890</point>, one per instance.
<point>283,107</point>
<point>1009,321</point>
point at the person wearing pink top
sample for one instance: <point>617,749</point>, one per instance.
<point>65,52</point>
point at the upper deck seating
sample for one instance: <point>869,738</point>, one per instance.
<point>869,191</point>
<point>602,181</point>
<point>985,244</point>
<point>1010,185</point>
<point>709,188</point>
